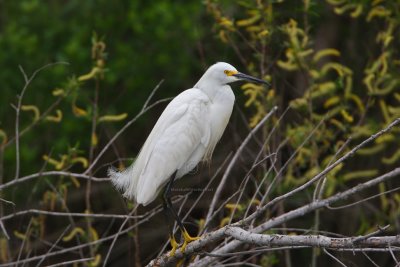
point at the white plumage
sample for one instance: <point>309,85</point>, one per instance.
<point>186,133</point>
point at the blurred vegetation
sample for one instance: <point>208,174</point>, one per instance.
<point>334,63</point>
<point>343,76</point>
<point>57,31</point>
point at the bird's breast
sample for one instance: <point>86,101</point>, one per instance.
<point>220,110</point>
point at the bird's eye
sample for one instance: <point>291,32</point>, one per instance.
<point>230,72</point>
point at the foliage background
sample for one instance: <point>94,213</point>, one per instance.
<point>335,60</point>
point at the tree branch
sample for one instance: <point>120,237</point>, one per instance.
<point>310,240</point>
<point>51,173</point>
<point>18,110</point>
<point>67,214</point>
<point>219,234</point>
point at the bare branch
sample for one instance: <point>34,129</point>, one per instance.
<point>364,199</point>
<point>126,126</point>
<point>310,240</point>
<point>65,263</point>
<point>152,94</point>
<point>116,237</point>
<point>324,172</point>
<point>3,229</point>
<point>68,214</point>
<point>18,110</point>
<point>7,201</point>
<point>375,233</point>
<point>54,244</point>
<point>51,173</point>
<point>43,115</point>
<point>393,256</point>
<point>211,237</point>
<point>333,257</point>
<point>322,203</point>
<point>74,248</point>
<point>292,156</point>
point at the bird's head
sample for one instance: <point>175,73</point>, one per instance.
<point>224,73</point>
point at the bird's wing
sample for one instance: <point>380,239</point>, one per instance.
<point>127,180</point>
<point>178,132</point>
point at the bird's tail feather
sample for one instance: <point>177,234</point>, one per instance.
<point>122,180</point>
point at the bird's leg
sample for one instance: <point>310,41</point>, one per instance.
<point>172,239</point>
<point>167,195</point>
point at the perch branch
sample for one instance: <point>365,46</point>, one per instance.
<point>310,240</point>
<point>219,234</point>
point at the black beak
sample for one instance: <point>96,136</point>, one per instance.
<point>249,78</point>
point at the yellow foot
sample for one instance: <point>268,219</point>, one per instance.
<point>187,239</point>
<point>174,245</point>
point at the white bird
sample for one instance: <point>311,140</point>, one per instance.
<point>185,134</point>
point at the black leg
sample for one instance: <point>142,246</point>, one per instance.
<point>166,210</point>
<point>168,204</point>
<point>168,218</point>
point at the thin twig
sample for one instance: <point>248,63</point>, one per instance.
<point>319,189</point>
<point>51,173</point>
<point>65,263</point>
<point>7,201</point>
<point>116,237</point>
<point>74,248</point>
<point>24,240</point>
<point>126,126</point>
<point>55,244</point>
<point>377,232</point>
<point>318,193</point>
<point>277,177</point>
<point>273,161</point>
<point>4,230</point>
<point>18,110</point>
<point>333,257</point>
<point>323,173</point>
<point>393,256</point>
<point>368,258</point>
<point>152,94</point>
<point>43,115</point>
<point>323,203</point>
<point>70,218</point>
<point>67,214</point>
<point>364,199</point>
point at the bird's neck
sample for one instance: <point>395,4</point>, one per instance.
<point>209,88</point>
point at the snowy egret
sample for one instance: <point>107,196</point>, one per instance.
<point>186,133</point>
